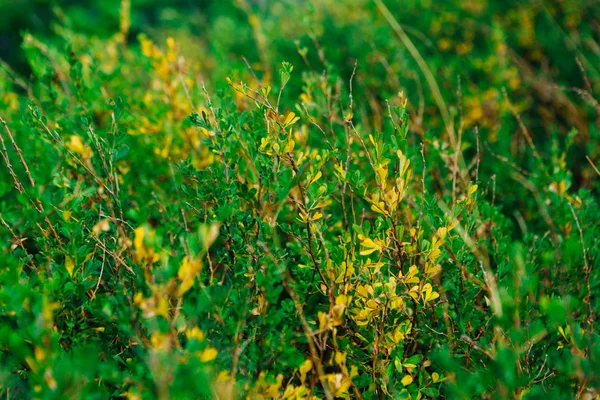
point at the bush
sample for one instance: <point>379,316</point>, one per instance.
<point>300,229</point>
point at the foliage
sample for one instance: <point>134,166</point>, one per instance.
<point>353,222</point>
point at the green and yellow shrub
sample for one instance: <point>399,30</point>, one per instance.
<point>174,226</point>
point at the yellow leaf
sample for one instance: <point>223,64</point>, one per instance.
<point>208,354</point>
<point>66,215</point>
<point>76,145</point>
<point>411,277</point>
<point>370,245</point>
<point>324,321</point>
<point>132,395</point>
<point>188,270</point>
<point>433,296</point>
<point>306,366</point>
<point>289,146</point>
<point>304,369</point>
<point>403,99</point>
<point>40,353</point>
<point>338,384</point>
<point>407,380</point>
<point>340,170</point>
<point>414,292</point>
<point>147,46</point>
<point>142,251</point>
<point>274,388</point>
<point>431,269</point>
<point>397,303</point>
<point>316,178</point>
<point>342,299</point>
<point>69,265</point>
<point>290,119</point>
<point>340,358</point>
<point>303,218</point>
<point>563,333</point>
<point>160,341</point>
<point>382,172</point>
<point>50,381</point>
<point>428,293</point>
<point>261,308</point>
<point>195,333</point>
<point>265,91</point>
<point>442,232</point>
<point>162,308</point>
<point>398,364</point>
<point>379,207</point>
<point>264,142</point>
<point>472,189</point>
<point>372,140</point>
<point>397,336</point>
<point>367,252</point>
<point>435,377</point>
<point>362,291</point>
<point>372,304</point>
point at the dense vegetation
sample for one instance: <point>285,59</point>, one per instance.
<point>300,199</point>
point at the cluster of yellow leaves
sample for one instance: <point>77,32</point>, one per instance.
<point>560,188</point>
<point>160,342</point>
<point>168,343</point>
<point>335,316</point>
<point>566,335</point>
<point>76,145</point>
<point>144,242</point>
<point>265,388</point>
<point>386,200</point>
<point>320,201</point>
<point>398,334</point>
<point>224,386</point>
<point>343,273</point>
<point>164,64</point>
<point>71,263</point>
<point>158,304</point>
<point>420,290</point>
<point>306,218</point>
<point>188,271</point>
<point>155,305</point>
<point>371,245</point>
<point>171,87</point>
<point>206,355</point>
<point>39,362</point>
<point>373,299</point>
<point>470,199</point>
<point>272,144</point>
<point>438,240</point>
<point>339,383</point>
<point>376,300</point>
<point>195,333</point>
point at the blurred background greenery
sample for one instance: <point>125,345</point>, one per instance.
<point>529,44</point>
<point>543,54</point>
